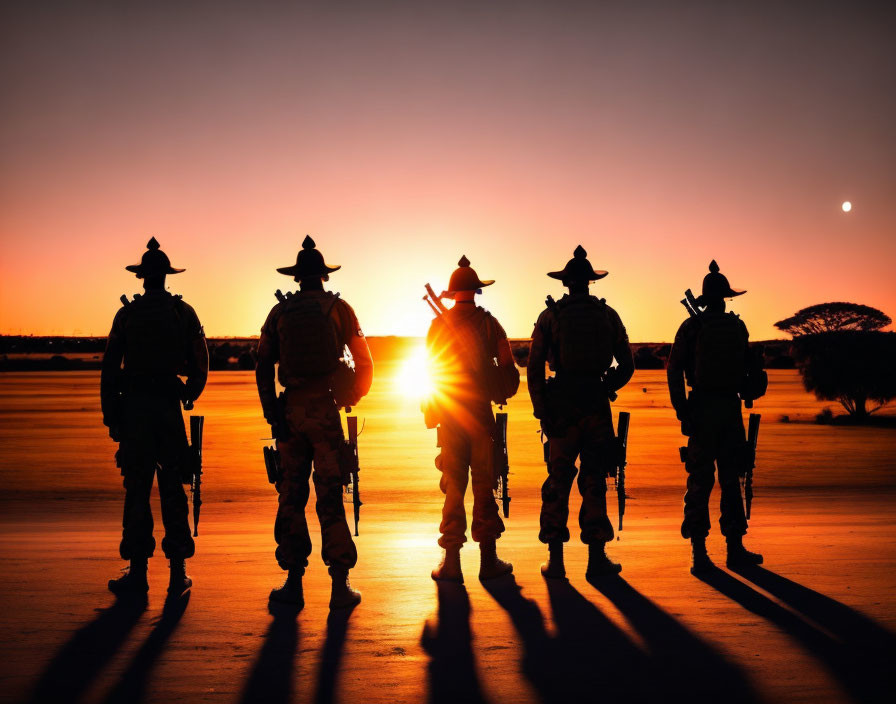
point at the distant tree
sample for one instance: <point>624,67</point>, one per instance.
<point>830,317</point>
<point>854,367</point>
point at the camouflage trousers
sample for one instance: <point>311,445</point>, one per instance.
<point>465,454</point>
<point>718,440</point>
<point>153,443</point>
<point>590,439</point>
<point>316,439</point>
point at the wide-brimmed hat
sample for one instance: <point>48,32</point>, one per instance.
<point>578,268</point>
<point>153,263</point>
<point>309,262</point>
<point>715,285</point>
<point>465,278</point>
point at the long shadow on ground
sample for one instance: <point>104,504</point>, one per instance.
<point>864,679</point>
<point>331,655</point>
<point>452,670</point>
<point>80,660</point>
<point>589,659</point>
<point>271,678</point>
<point>688,668</point>
<point>132,685</point>
<point>871,647</point>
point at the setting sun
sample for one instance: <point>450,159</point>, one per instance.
<point>413,377</point>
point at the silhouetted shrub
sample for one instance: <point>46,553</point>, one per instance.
<point>646,359</point>
<point>854,367</point>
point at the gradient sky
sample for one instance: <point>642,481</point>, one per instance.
<point>658,135</point>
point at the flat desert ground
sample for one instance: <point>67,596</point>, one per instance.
<point>816,624</point>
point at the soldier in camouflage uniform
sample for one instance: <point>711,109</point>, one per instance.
<point>472,366</point>
<point>578,336</point>
<point>711,351</point>
<point>305,335</point>
<point>154,340</point>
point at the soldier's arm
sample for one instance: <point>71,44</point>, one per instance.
<point>354,339</point>
<point>622,352</point>
<point>267,356</point>
<point>197,357</point>
<point>510,374</point>
<point>675,372</point>
<point>111,369</point>
<point>535,368</point>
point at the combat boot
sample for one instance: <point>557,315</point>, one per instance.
<point>448,569</point>
<point>291,592</point>
<point>738,555</point>
<point>599,565</point>
<point>133,581</point>
<point>700,562</point>
<point>178,582</point>
<point>342,596</point>
<point>554,568</point>
<point>490,565</point>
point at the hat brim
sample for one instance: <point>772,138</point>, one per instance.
<point>294,270</point>
<point>560,275</point>
<point>481,284</point>
<point>141,272</point>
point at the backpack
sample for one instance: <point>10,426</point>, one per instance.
<point>584,342</point>
<point>309,340</point>
<point>154,335</point>
<point>720,354</point>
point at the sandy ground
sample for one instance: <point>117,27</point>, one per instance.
<point>817,624</point>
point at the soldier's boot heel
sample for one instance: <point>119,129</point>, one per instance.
<point>738,555</point>
<point>179,582</point>
<point>342,595</point>
<point>490,565</point>
<point>554,567</point>
<point>448,569</point>
<point>133,581</point>
<point>599,564</point>
<point>700,562</point>
<point>291,592</point>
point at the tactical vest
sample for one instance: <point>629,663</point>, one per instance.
<point>476,347</point>
<point>720,354</point>
<point>308,336</point>
<point>583,345</point>
<point>155,336</point>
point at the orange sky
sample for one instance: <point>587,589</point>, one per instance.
<point>404,138</point>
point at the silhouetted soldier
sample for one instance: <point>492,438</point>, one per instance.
<point>306,334</point>
<point>473,366</point>
<point>578,336</point>
<point>712,352</point>
<point>154,340</point>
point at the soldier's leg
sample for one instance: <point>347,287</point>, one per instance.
<point>597,461</point>
<point>137,541</point>
<point>700,466</point>
<point>555,491</point>
<point>732,518</point>
<point>178,542</point>
<point>487,524</point>
<point>290,526</point>
<point>337,547</point>
<point>453,462</point>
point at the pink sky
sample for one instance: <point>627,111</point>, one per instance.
<point>404,138</point>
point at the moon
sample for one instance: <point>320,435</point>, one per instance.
<point>846,207</point>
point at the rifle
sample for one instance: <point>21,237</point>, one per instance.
<point>352,488</point>
<point>622,444</point>
<point>747,479</point>
<point>502,492</point>
<point>690,303</point>
<point>196,427</point>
